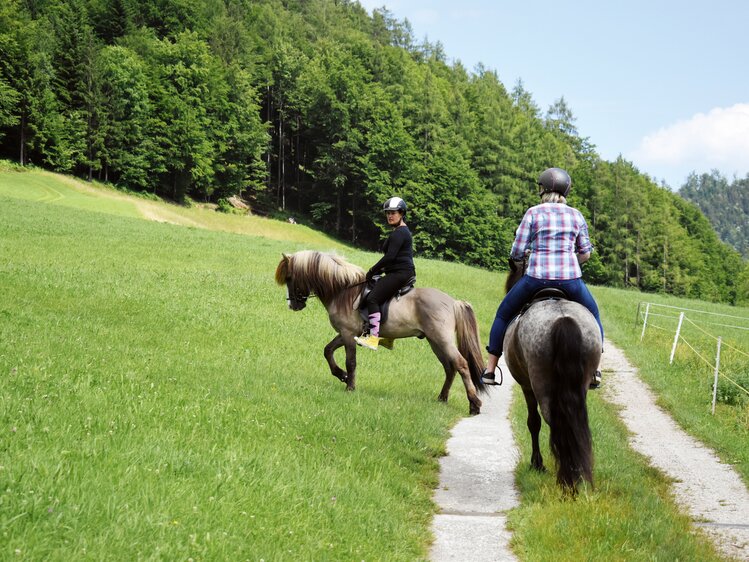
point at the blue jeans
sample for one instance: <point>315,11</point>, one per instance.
<point>522,292</point>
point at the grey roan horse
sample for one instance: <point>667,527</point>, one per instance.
<point>422,312</point>
<point>552,351</point>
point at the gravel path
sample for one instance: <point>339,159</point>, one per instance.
<point>477,475</point>
<point>709,491</point>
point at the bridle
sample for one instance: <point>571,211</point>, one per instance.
<point>295,298</point>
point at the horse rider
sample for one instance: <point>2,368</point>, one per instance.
<point>397,264</point>
<point>555,238</point>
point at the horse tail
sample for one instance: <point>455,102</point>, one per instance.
<point>570,439</point>
<point>467,331</point>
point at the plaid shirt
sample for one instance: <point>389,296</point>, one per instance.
<point>554,233</point>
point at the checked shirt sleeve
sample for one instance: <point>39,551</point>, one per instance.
<point>583,243</point>
<point>522,237</point>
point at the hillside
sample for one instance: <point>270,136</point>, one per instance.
<point>160,400</point>
<point>726,205</point>
<point>322,110</point>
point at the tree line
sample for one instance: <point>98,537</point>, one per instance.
<point>726,206</point>
<point>319,109</point>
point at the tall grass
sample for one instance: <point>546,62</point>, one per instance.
<point>628,516</point>
<point>685,388</point>
<point>159,401</point>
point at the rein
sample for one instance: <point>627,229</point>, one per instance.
<point>302,299</point>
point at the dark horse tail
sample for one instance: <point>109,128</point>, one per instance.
<point>469,346</point>
<point>571,441</point>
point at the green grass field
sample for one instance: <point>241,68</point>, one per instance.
<point>159,401</point>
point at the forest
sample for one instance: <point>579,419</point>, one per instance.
<point>726,206</point>
<point>318,109</point>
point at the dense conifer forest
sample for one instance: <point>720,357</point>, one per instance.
<point>318,109</point>
<point>726,206</point>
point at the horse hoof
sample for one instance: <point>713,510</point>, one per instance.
<point>474,410</point>
<point>350,388</point>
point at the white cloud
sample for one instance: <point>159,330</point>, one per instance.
<point>718,139</point>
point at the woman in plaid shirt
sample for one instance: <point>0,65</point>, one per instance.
<point>555,238</point>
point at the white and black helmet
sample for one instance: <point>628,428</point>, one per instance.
<point>555,179</point>
<point>395,204</point>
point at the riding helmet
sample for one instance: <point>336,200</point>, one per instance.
<point>555,179</point>
<point>395,204</point>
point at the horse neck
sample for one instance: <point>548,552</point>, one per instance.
<point>342,303</point>
<point>513,277</point>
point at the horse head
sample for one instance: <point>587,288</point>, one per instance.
<point>517,269</point>
<point>296,296</point>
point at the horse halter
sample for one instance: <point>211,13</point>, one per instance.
<point>295,298</point>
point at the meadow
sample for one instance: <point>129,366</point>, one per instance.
<point>158,400</point>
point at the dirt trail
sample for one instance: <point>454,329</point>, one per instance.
<point>477,476</point>
<point>711,492</point>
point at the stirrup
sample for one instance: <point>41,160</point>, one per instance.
<point>489,379</point>
<point>596,381</point>
<point>368,340</point>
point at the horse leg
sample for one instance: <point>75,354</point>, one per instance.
<point>329,352</point>
<point>350,364</point>
<point>452,360</point>
<point>449,374</point>
<point>534,427</point>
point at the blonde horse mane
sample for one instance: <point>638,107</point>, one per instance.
<point>323,274</point>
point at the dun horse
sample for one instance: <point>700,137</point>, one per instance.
<point>422,312</point>
<point>552,351</point>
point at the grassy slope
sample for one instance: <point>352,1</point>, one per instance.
<point>159,401</point>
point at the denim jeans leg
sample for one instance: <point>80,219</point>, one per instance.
<point>508,309</point>
<point>579,292</point>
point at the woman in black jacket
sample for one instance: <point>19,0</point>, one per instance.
<point>397,264</point>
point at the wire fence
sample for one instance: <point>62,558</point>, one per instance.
<point>705,324</point>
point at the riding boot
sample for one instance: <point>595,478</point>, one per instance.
<point>371,339</point>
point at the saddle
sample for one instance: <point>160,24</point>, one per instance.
<point>364,313</point>
<point>545,294</point>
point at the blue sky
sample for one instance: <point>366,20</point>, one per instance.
<point>664,83</point>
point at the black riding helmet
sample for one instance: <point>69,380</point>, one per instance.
<point>556,180</point>
<point>395,204</point>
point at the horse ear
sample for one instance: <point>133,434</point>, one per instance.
<point>283,269</point>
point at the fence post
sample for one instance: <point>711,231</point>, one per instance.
<point>717,367</point>
<point>645,320</point>
<point>676,338</point>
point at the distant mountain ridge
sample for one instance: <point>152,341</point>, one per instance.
<point>726,205</point>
